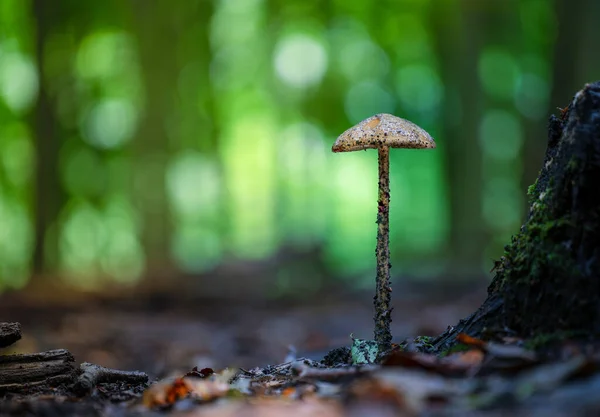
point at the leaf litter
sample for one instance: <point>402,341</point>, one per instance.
<point>484,378</point>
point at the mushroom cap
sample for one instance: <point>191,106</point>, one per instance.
<point>383,130</point>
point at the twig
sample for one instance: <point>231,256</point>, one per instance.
<point>307,373</point>
<point>92,375</point>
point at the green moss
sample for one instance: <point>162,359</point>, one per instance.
<point>532,193</point>
<point>536,259</point>
<point>423,340</point>
<point>423,343</point>
<point>537,247</point>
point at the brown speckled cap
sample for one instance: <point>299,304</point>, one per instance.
<point>383,130</point>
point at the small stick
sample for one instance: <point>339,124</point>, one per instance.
<point>92,375</point>
<point>333,374</point>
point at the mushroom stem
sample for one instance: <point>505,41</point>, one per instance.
<point>383,335</point>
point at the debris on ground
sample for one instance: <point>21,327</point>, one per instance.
<point>477,377</point>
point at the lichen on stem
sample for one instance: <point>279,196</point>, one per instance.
<point>381,301</point>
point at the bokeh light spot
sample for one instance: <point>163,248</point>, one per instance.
<point>366,99</point>
<point>18,81</point>
<point>193,183</point>
<point>81,238</point>
<point>196,248</point>
<point>498,73</point>
<point>501,135</point>
<point>300,60</point>
<point>16,241</point>
<point>419,88</point>
<point>109,123</point>
<point>532,96</point>
<point>122,255</point>
<point>16,153</point>
<point>104,54</point>
<point>501,203</point>
<point>363,59</point>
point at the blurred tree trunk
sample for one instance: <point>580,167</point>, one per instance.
<point>49,196</point>
<point>544,48</point>
<point>568,50</point>
<point>459,34</point>
<point>156,34</point>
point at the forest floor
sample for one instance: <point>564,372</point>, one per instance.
<point>253,357</point>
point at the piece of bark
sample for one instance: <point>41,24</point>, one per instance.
<point>9,333</point>
<point>548,281</point>
<point>92,374</point>
<point>19,373</point>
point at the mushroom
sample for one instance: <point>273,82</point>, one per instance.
<point>382,132</point>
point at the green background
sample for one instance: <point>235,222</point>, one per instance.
<point>146,139</point>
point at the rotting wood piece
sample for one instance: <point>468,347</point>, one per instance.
<point>9,333</point>
<point>19,373</point>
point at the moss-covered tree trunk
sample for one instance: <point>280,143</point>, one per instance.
<point>548,280</point>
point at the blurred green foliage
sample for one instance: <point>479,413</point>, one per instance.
<point>137,135</point>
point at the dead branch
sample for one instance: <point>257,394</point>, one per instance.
<point>91,375</point>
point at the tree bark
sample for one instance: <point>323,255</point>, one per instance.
<point>548,280</point>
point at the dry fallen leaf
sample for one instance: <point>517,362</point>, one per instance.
<point>498,350</point>
<point>165,393</point>
<point>374,390</point>
<point>288,392</point>
<point>470,341</point>
<point>456,364</point>
<point>464,360</point>
<point>409,390</point>
<point>270,407</point>
<point>411,360</point>
<point>206,390</point>
<point>202,373</point>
